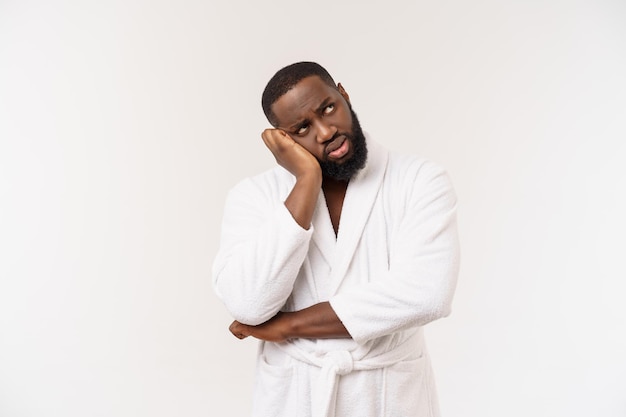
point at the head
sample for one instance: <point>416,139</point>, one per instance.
<point>303,100</point>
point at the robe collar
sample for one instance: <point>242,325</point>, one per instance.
<point>357,205</point>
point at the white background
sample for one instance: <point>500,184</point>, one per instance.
<point>124,123</point>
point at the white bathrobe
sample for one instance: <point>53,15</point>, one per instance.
<point>391,269</point>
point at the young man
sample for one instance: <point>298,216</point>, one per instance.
<point>335,259</point>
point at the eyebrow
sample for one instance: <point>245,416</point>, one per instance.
<point>320,108</point>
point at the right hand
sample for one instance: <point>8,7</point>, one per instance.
<point>291,155</point>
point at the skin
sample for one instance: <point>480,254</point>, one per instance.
<point>312,118</point>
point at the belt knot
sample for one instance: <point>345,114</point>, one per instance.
<point>340,361</point>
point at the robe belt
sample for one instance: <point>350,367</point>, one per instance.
<point>334,364</point>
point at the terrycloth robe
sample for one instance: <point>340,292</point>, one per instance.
<point>391,269</point>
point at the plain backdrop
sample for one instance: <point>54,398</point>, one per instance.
<point>123,123</point>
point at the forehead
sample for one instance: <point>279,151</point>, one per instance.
<point>304,98</point>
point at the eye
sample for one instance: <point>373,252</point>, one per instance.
<point>329,109</point>
<point>302,129</point>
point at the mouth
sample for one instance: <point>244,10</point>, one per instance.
<point>338,147</point>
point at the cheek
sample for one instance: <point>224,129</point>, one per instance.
<point>344,117</point>
<point>308,142</point>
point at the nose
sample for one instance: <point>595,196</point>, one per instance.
<point>325,132</point>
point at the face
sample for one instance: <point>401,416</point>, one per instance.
<point>319,118</point>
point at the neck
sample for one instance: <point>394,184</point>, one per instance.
<point>332,184</point>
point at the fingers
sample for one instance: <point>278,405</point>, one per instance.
<point>277,140</point>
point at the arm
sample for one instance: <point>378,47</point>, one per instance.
<point>423,263</point>
<point>264,241</point>
<point>297,160</point>
<point>316,322</point>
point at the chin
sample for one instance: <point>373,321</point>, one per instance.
<point>356,158</point>
<point>346,169</point>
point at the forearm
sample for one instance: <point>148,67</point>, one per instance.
<point>316,322</point>
<point>303,198</point>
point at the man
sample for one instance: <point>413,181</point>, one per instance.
<point>335,260</point>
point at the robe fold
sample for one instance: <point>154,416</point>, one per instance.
<point>391,269</point>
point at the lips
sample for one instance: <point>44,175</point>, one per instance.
<point>338,147</point>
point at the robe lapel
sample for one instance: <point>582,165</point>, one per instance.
<point>357,206</point>
<point>324,234</point>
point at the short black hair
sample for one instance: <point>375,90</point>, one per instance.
<point>285,79</point>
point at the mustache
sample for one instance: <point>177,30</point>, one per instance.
<point>348,135</point>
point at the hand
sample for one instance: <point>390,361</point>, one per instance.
<point>290,155</point>
<point>275,329</point>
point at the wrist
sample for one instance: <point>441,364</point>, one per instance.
<point>309,184</point>
<point>311,177</point>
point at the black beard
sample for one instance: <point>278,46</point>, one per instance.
<point>346,170</point>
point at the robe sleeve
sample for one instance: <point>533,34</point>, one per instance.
<point>261,250</point>
<point>423,264</point>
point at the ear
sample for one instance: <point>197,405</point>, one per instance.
<point>343,92</point>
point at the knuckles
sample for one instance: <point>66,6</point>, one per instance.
<point>277,141</point>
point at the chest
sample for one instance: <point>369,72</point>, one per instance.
<point>334,202</point>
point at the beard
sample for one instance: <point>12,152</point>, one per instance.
<point>346,170</point>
